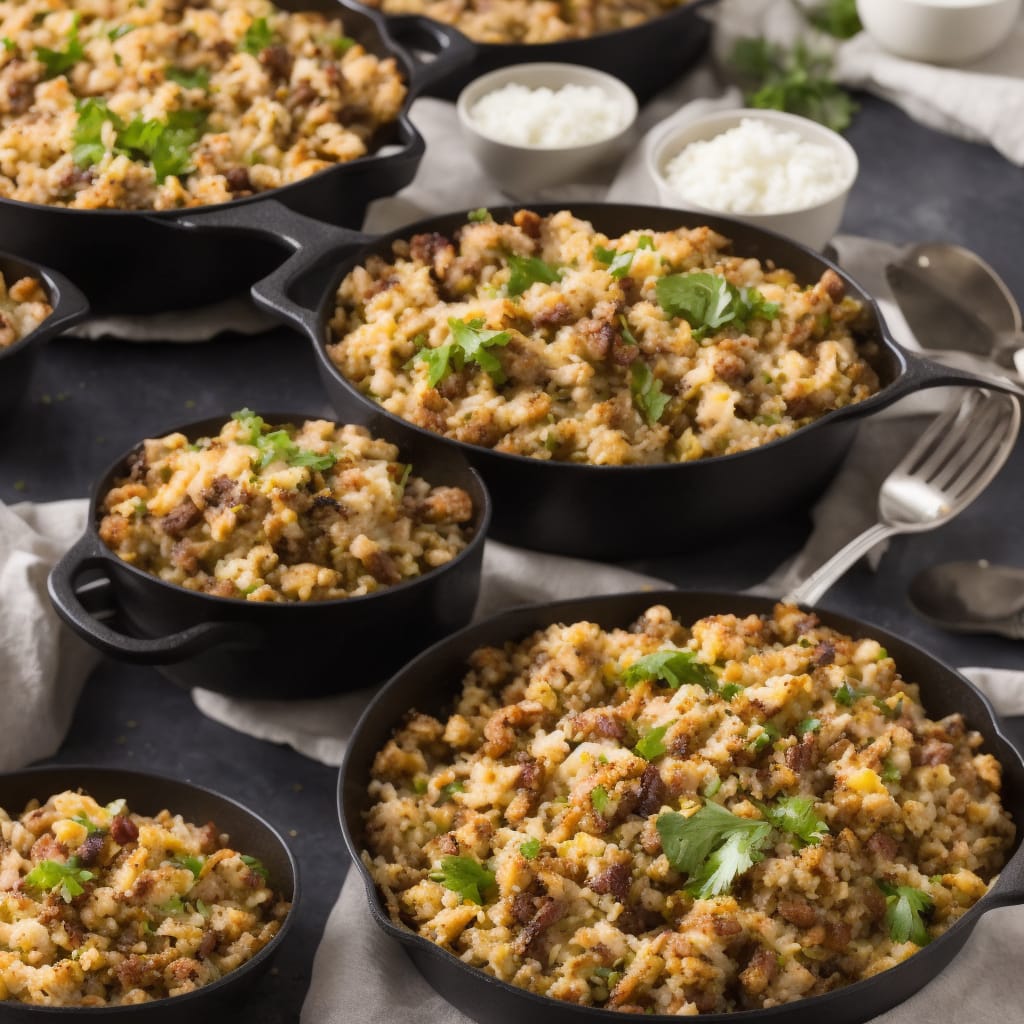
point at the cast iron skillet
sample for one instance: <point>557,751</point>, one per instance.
<point>285,651</point>
<point>149,794</point>
<point>16,361</point>
<point>132,261</point>
<point>597,511</point>
<point>430,683</point>
<point>647,57</point>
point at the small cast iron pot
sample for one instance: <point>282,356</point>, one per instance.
<point>647,57</point>
<point>149,794</point>
<point>283,651</point>
<point>429,684</point>
<point>133,261</point>
<point>583,510</point>
<point>16,361</point>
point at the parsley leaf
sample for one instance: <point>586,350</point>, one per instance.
<point>618,263</point>
<point>465,876</point>
<point>479,216</point>
<point>340,45</point>
<point>674,667</point>
<point>197,78</point>
<point>530,848</point>
<point>712,846</point>
<point>194,864</point>
<point>765,738</point>
<point>277,445</point>
<point>438,362</point>
<point>256,865</point>
<point>58,62</point>
<point>729,691</point>
<point>258,36</point>
<point>889,710</point>
<point>890,773</point>
<point>599,799</point>
<point>528,270</point>
<point>249,422</point>
<point>796,815</point>
<point>848,695</point>
<point>905,911</point>
<point>121,30</point>
<point>474,341</point>
<point>808,725</point>
<point>448,791</point>
<point>707,301</point>
<point>8,44</point>
<point>836,17</point>
<point>87,134</point>
<point>89,826</point>
<point>648,396</point>
<point>652,744</point>
<point>48,875</point>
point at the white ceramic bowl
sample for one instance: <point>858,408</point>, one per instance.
<point>938,31</point>
<point>522,171</point>
<point>813,224</point>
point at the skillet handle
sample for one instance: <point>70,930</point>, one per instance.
<point>71,305</point>
<point>925,373</point>
<point>163,650</point>
<point>313,242</point>
<point>1009,888</point>
<point>414,34</point>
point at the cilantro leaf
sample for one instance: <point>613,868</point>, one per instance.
<point>448,791</point>
<point>87,134</point>
<point>473,341</point>
<point>646,389</point>
<point>465,876</point>
<point>674,667</point>
<point>848,695</point>
<point>796,815</point>
<point>58,62</point>
<point>258,36</point>
<point>599,799</point>
<point>528,270</point>
<point>530,848</point>
<point>249,422</point>
<point>89,826</point>
<point>889,710</point>
<point>256,865</point>
<point>121,30</point>
<point>479,216</point>
<point>808,725</point>
<point>712,847</point>
<point>729,691</point>
<point>627,335</point>
<point>652,744</point>
<point>194,864</point>
<point>8,44</point>
<point>197,78</point>
<point>890,773</point>
<point>48,875</point>
<point>340,45</point>
<point>618,263</point>
<point>166,144</point>
<point>766,737</point>
<point>707,301</point>
<point>438,362</point>
<point>905,911</point>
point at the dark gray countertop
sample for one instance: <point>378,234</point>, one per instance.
<point>90,401</point>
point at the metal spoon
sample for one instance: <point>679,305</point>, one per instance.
<point>954,301</point>
<point>971,597</point>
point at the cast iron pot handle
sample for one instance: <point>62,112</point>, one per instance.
<point>1009,888</point>
<point>313,241</point>
<point>925,373</point>
<point>163,650</point>
<point>71,306</point>
<point>452,51</point>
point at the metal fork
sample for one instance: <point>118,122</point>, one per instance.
<point>951,463</point>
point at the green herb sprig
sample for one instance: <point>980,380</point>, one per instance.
<point>466,876</point>
<point>59,62</point>
<point>69,878</point>
<point>708,302</point>
<point>906,909</point>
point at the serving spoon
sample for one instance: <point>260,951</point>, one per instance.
<point>971,597</point>
<point>954,301</point>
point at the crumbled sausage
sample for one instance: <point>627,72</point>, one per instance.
<point>615,880</point>
<point>277,60</point>
<point>178,520</point>
<point>548,912</point>
<point>123,830</point>
<point>90,849</point>
<point>883,844</point>
<point>528,222</point>
<point>798,912</point>
<point>652,791</point>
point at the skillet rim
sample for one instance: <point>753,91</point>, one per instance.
<point>955,936</point>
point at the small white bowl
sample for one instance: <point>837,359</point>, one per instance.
<point>522,171</point>
<point>938,31</point>
<point>813,225</point>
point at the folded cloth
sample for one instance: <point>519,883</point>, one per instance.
<point>982,101</point>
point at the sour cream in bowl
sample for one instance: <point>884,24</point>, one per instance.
<point>535,126</point>
<point>778,171</point>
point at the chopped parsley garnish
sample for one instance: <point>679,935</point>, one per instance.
<point>712,847</point>
<point>60,61</point>
<point>599,799</point>
<point>89,826</point>
<point>796,815</point>
<point>69,878</point>
<point>465,876</point>
<point>8,44</point>
<point>905,911</point>
<point>528,270</point>
<point>627,334</point>
<point>530,848</point>
<point>89,148</point>
<point>255,864</point>
<point>340,44</point>
<point>194,864</point>
<point>447,792</point>
<point>707,302</point>
<point>729,691</point>
<point>618,263</point>
<point>121,30</point>
<point>258,36</point>
<point>202,908</point>
<point>479,215</point>
<point>848,695</point>
<point>404,478</point>
<point>674,667</point>
<point>808,725</point>
<point>652,744</point>
<point>882,654</point>
<point>469,343</point>
<point>197,78</point>
<point>889,710</point>
<point>648,396</point>
<point>765,738</point>
<point>890,773</point>
<point>836,17</point>
<point>175,905</point>
<point>277,445</point>
<point>419,785</point>
<point>712,786</point>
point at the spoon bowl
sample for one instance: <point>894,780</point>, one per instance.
<point>971,597</point>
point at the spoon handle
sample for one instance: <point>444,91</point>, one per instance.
<point>814,587</point>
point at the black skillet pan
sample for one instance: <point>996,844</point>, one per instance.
<point>149,794</point>
<point>16,361</point>
<point>133,261</point>
<point>286,650</point>
<point>430,683</point>
<point>598,511</point>
<point>647,57</point>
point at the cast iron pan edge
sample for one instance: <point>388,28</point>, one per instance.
<point>469,988</point>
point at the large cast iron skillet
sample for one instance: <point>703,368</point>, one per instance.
<point>130,261</point>
<point>16,362</point>
<point>597,511</point>
<point>430,683</point>
<point>149,794</point>
<point>647,57</point>
<point>284,651</point>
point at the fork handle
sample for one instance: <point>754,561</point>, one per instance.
<point>814,587</point>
